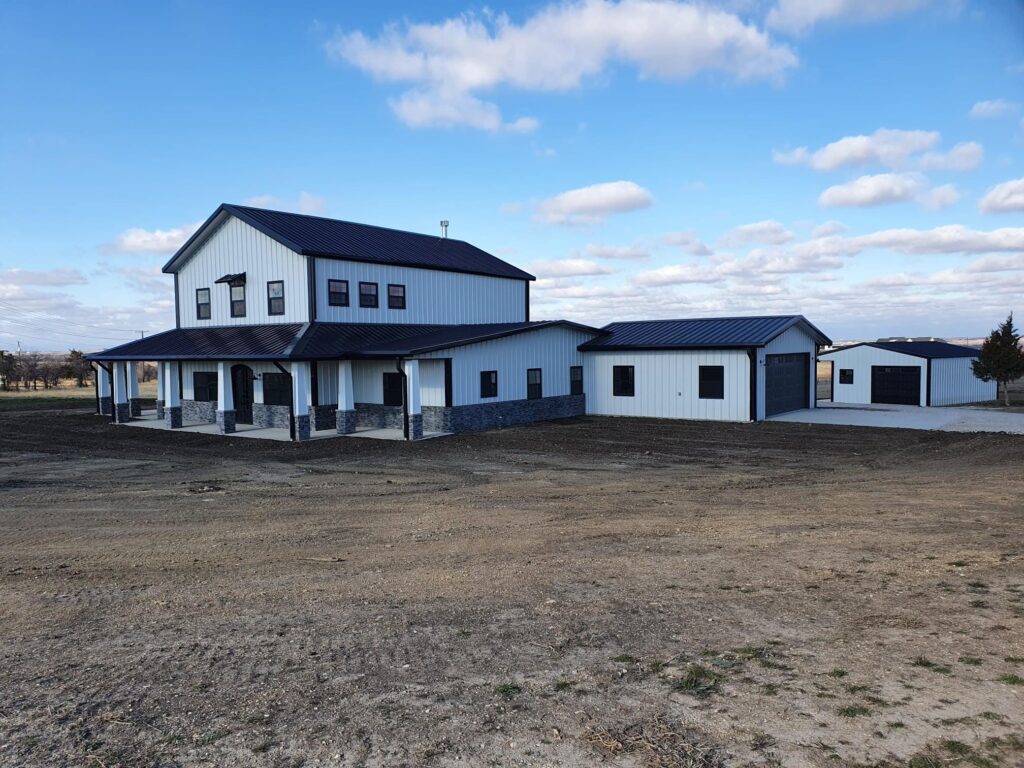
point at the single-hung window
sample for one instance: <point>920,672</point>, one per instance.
<point>275,297</point>
<point>202,303</point>
<point>396,296</point>
<point>368,295</point>
<point>534,384</point>
<point>204,387</point>
<point>846,375</point>
<point>277,388</point>
<point>711,383</point>
<point>238,301</point>
<point>337,293</point>
<point>575,379</point>
<point>488,384</point>
<point>622,381</point>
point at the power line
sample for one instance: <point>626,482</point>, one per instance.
<point>32,315</point>
<point>59,332</point>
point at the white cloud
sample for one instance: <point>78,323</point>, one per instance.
<point>952,238</point>
<point>679,274</point>
<point>138,240</point>
<point>619,252</point>
<point>828,228</point>
<point>568,268</point>
<point>305,203</point>
<point>688,241</point>
<point>965,156</point>
<point>993,108</point>
<point>797,16</point>
<point>769,232</point>
<point>940,197</point>
<point>1007,197</point>
<point>556,49</point>
<point>52,277</point>
<point>887,147</point>
<point>593,204</point>
<point>867,191</point>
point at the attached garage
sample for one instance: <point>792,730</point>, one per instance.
<point>786,382</point>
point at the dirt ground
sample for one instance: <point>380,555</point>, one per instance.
<point>594,591</point>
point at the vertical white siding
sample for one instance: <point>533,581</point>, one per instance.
<point>368,379</point>
<point>954,383</point>
<point>861,359</point>
<point>432,382</point>
<point>236,247</point>
<point>791,342</point>
<point>666,384</point>
<point>431,296</point>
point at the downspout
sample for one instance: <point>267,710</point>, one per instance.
<point>291,404</point>
<point>405,400</point>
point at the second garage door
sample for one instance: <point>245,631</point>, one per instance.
<point>896,384</point>
<point>786,383</point>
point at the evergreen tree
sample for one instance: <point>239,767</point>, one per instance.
<point>1001,357</point>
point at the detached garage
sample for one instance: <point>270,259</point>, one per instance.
<point>906,373</point>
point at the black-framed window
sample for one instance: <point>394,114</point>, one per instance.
<point>623,380</point>
<point>393,394</point>
<point>846,375</point>
<point>368,295</point>
<point>534,384</point>
<point>204,386</point>
<point>488,384</point>
<point>203,303</point>
<point>337,293</point>
<point>277,388</point>
<point>237,300</point>
<point>711,382</point>
<point>275,297</point>
<point>575,379</point>
<point>396,296</point>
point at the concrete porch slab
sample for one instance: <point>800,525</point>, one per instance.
<point>943,419</point>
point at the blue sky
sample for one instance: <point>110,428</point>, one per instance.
<point>857,162</point>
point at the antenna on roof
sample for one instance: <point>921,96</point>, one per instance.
<point>444,227</point>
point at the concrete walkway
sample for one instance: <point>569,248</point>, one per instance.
<point>909,417</point>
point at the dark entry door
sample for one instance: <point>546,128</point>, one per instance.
<point>786,383</point>
<point>392,389</point>
<point>241,388</point>
<point>896,384</point>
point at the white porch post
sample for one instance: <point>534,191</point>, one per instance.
<point>103,385</point>
<point>160,390</point>
<point>121,410</point>
<point>412,398</point>
<point>131,372</point>
<point>172,395</point>
<point>300,399</point>
<point>225,399</point>
<point>346,418</point>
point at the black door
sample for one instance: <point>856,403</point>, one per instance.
<point>393,389</point>
<point>241,388</point>
<point>896,384</point>
<point>786,383</point>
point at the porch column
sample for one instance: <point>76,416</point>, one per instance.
<point>134,401</point>
<point>103,385</point>
<point>346,399</point>
<point>172,396</point>
<point>412,398</point>
<point>122,413</point>
<point>225,400</point>
<point>300,399</point>
<point>159,390</point>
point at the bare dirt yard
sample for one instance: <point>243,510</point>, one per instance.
<point>593,591</point>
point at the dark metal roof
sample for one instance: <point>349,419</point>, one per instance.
<point>335,239</point>
<point>700,333</point>
<point>932,350</point>
<point>236,342</point>
<point>232,279</point>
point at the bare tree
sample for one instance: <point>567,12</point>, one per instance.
<point>30,369</point>
<point>78,367</point>
<point>9,371</point>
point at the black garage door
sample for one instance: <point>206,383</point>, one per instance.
<point>786,379</point>
<point>896,384</point>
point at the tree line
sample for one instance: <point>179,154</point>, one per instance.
<point>38,370</point>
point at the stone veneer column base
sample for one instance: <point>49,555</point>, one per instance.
<point>106,404</point>
<point>172,417</point>
<point>225,422</point>
<point>135,407</point>
<point>159,409</point>
<point>346,421</point>
<point>415,426</point>
<point>302,428</point>
<point>123,413</point>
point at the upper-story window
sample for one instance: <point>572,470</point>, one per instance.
<point>202,303</point>
<point>396,296</point>
<point>368,295</point>
<point>238,300</point>
<point>337,293</point>
<point>275,297</point>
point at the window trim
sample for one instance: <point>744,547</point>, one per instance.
<point>393,305</point>
<point>572,381</point>
<point>539,385</point>
<point>842,375</point>
<point>234,301</point>
<point>619,385</point>
<point>344,293</point>
<point>271,300</point>
<point>375,295</point>
<point>208,304</point>
<point>486,386</point>
<point>701,383</point>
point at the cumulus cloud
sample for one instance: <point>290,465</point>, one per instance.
<point>138,240</point>
<point>887,147</point>
<point>1007,197</point>
<point>796,16</point>
<point>768,232</point>
<point>688,241</point>
<point>51,277</point>
<point>940,197</point>
<point>828,228</point>
<point>679,274</point>
<point>305,203</point>
<point>568,268</point>
<point>952,238</point>
<point>880,189</point>
<point>449,63</point>
<point>593,204</point>
<point>618,252</point>
<point>965,156</point>
<point>993,108</point>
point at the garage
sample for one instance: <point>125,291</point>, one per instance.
<point>896,384</point>
<point>786,380</point>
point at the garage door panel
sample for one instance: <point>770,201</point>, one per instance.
<point>786,383</point>
<point>896,384</point>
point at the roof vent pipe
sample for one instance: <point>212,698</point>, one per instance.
<point>444,228</point>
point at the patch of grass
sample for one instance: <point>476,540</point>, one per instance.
<point>762,741</point>
<point>837,673</point>
<point>878,701</point>
<point>769,689</point>
<point>959,563</point>
<point>699,682</point>
<point>1012,679</point>
<point>955,747</point>
<point>854,710</point>
<point>562,685</point>
<point>857,688</point>
<point>213,736</point>
<point>625,658</point>
<point>989,715</point>
<point>926,663</point>
<point>924,761</point>
<point>1014,659</point>
<point>897,724</point>
<point>971,661</point>
<point>978,604</point>
<point>977,585</point>
<point>508,691</point>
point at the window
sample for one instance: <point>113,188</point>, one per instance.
<point>202,303</point>
<point>393,389</point>
<point>488,384</point>
<point>368,295</point>
<point>275,297</point>
<point>396,297</point>
<point>277,388</point>
<point>337,293</point>
<point>204,387</point>
<point>238,301</point>
<point>846,375</point>
<point>711,384</point>
<point>622,380</point>
<point>534,384</point>
<point>575,379</point>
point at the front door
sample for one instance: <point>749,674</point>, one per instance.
<point>393,394</point>
<point>241,388</point>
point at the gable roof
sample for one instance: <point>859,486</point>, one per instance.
<point>700,333</point>
<point>336,239</point>
<point>931,350</point>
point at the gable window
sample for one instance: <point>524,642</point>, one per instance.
<point>534,384</point>
<point>396,296</point>
<point>337,293</point>
<point>622,380</point>
<point>488,384</point>
<point>277,389</point>
<point>275,297</point>
<point>711,382</point>
<point>202,303</point>
<point>575,379</point>
<point>368,295</point>
<point>204,387</point>
<point>393,389</point>
<point>238,300</point>
<point>846,375</point>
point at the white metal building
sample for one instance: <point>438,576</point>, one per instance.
<point>906,373</point>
